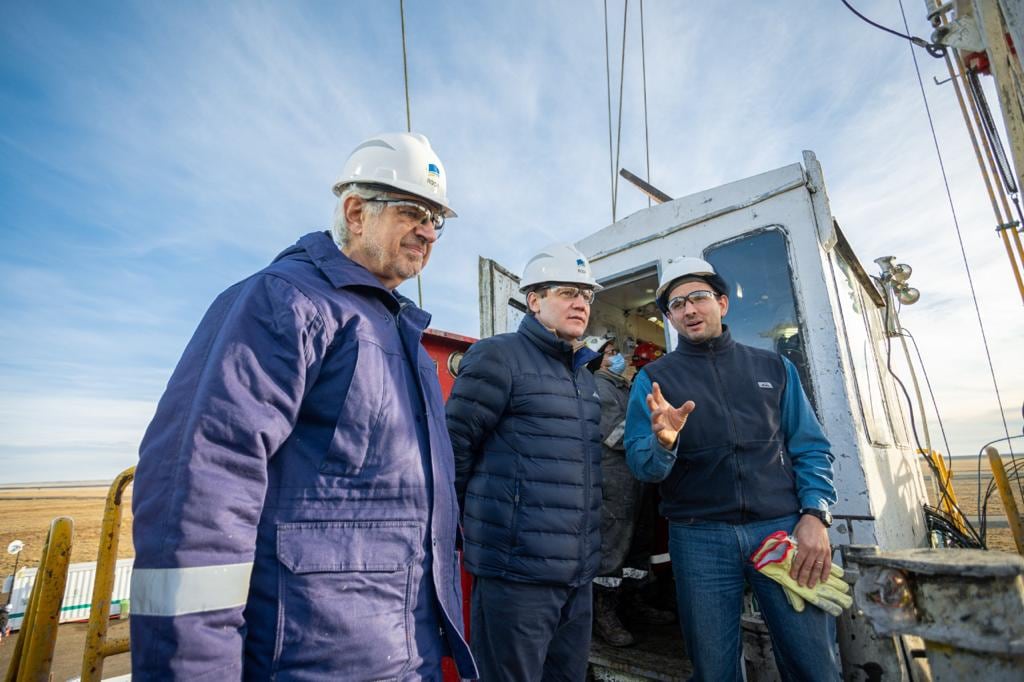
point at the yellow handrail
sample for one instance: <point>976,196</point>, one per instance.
<point>33,653</point>
<point>97,647</point>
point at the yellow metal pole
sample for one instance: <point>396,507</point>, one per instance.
<point>949,501</point>
<point>27,618</point>
<point>51,579</point>
<point>1006,494</point>
<point>26,622</point>
<point>96,645</point>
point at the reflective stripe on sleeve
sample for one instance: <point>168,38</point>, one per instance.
<point>177,591</point>
<point>661,558</point>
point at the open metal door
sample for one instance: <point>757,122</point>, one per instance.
<point>502,307</point>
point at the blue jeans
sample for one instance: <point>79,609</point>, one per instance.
<point>710,562</point>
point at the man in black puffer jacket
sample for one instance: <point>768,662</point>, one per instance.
<point>524,418</point>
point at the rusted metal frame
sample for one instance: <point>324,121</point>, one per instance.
<point>33,653</point>
<point>1006,495</point>
<point>97,647</point>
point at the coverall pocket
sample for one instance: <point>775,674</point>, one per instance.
<point>344,610</point>
<point>353,438</point>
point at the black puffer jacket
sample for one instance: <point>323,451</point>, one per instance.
<point>524,419</point>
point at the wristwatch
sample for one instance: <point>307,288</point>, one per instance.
<point>822,515</point>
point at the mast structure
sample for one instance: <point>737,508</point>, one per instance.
<point>987,37</point>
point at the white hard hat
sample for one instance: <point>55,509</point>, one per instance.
<point>596,343</point>
<point>687,266</point>
<point>558,263</point>
<point>404,161</point>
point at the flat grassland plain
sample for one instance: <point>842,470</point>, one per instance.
<point>26,513</point>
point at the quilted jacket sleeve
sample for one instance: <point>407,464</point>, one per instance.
<point>478,399</point>
<point>202,474</point>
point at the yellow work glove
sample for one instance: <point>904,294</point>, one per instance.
<point>774,558</point>
<point>794,599</point>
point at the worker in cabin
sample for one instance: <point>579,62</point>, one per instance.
<point>294,505</point>
<point>620,506</point>
<point>730,434</point>
<point>524,417</point>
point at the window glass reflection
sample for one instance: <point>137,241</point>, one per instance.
<point>859,316</point>
<point>762,305</point>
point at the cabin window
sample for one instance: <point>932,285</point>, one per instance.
<point>762,304</point>
<point>865,344</point>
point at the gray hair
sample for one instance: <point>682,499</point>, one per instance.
<point>339,226</point>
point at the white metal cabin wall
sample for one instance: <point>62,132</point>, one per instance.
<point>882,483</point>
<point>891,473</point>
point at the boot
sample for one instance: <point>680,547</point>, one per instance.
<point>639,610</point>
<point>606,620</point>
<point>645,613</point>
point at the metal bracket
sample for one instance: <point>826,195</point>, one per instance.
<point>961,33</point>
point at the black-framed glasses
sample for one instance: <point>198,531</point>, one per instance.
<point>568,293</point>
<point>697,298</point>
<point>415,211</point>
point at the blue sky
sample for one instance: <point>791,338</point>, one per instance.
<point>151,154</point>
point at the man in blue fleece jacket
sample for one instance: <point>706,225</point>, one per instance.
<point>751,460</point>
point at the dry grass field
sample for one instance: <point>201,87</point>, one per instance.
<point>26,513</point>
<point>966,487</point>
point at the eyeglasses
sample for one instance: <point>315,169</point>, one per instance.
<point>415,211</point>
<point>697,298</point>
<point>570,293</point>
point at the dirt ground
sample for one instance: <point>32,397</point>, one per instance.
<point>67,658</point>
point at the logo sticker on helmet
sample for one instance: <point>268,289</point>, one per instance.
<point>433,175</point>
<point>581,266</point>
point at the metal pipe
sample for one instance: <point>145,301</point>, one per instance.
<point>1000,220</point>
<point>1006,494</point>
<point>1006,216</point>
<point>96,645</point>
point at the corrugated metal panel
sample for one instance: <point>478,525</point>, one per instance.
<point>77,594</point>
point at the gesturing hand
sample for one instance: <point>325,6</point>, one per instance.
<point>667,421</point>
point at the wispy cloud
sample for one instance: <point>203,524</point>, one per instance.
<point>154,154</point>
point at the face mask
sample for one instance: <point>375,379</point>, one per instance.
<point>618,364</point>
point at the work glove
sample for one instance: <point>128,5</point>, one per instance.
<point>794,599</point>
<point>774,557</point>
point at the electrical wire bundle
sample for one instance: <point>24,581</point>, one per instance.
<point>1014,472</point>
<point>942,524</point>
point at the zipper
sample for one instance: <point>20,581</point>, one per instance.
<point>735,430</point>
<point>584,546</point>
